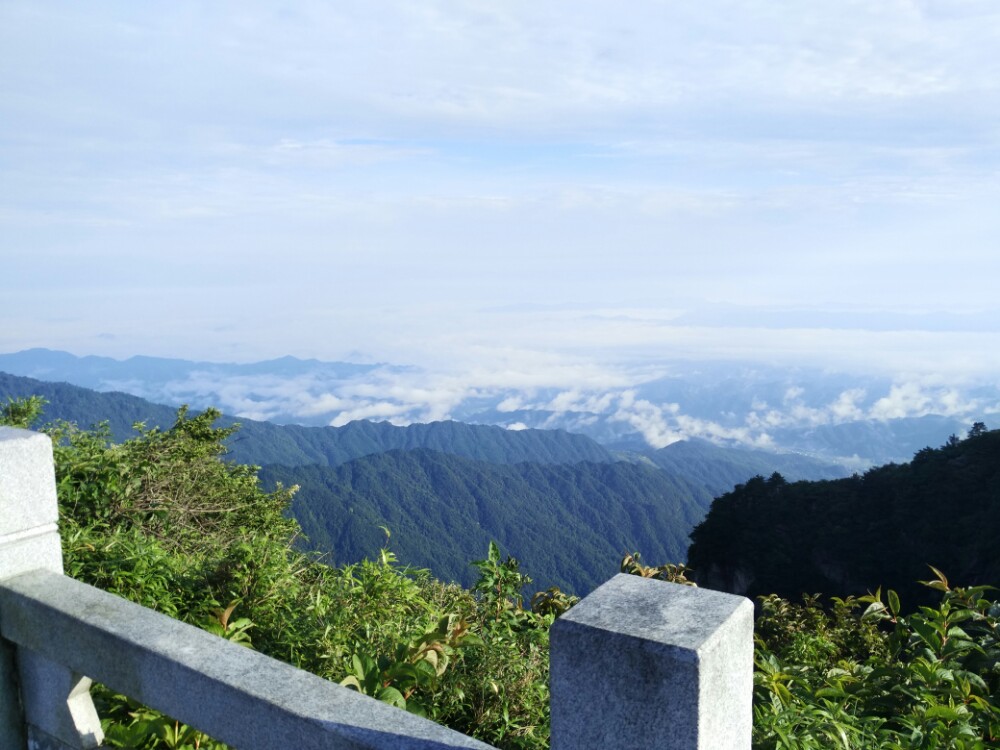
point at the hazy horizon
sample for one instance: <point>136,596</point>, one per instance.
<point>516,189</point>
<point>850,419</point>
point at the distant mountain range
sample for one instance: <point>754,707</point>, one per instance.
<point>568,506</point>
<point>294,445</point>
<point>150,373</point>
<point>846,419</point>
<point>198,384</point>
<point>565,505</point>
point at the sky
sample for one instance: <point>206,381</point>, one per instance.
<point>506,187</point>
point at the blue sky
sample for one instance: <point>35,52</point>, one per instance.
<point>517,185</point>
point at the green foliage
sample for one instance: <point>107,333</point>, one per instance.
<point>552,602</point>
<point>416,664</point>
<point>234,631</point>
<point>445,509</point>
<point>172,483</point>
<point>671,572</point>
<point>129,724</point>
<point>500,584</point>
<point>811,635</point>
<point>22,412</point>
<point>874,677</point>
<point>505,683</point>
<point>848,536</point>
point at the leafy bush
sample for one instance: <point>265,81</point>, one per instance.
<point>847,677</point>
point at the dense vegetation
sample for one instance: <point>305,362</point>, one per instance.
<point>859,673</point>
<point>848,536</point>
<point>161,519</point>
<point>443,510</point>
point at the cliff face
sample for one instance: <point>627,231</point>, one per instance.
<point>735,580</point>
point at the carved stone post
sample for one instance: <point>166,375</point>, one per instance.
<point>42,704</point>
<point>643,664</point>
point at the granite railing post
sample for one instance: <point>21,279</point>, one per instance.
<point>43,705</point>
<point>641,663</point>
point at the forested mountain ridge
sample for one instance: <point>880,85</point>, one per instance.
<point>584,510</point>
<point>568,524</point>
<point>720,469</point>
<point>87,407</point>
<point>847,536</point>
<point>266,443</point>
<point>297,445</point>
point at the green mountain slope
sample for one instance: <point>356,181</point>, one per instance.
<point>850,535</point>
<point>720,469</point>
<point>86,407</point>
<point>265,443</point>
<point>568,524</point>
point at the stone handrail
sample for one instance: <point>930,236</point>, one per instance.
<point>636,664</point>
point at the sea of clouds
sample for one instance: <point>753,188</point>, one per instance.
<point>648,406</point>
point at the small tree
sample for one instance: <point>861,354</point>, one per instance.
<point>22,412</point>
<point>977,429</point>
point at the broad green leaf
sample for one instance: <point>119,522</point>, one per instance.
<point>392,696</point>
<point>893,603</point>
<point>942,712</point>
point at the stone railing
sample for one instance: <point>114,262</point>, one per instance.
<point>636,664</point>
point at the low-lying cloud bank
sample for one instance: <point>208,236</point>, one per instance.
<point>853,418</point>
<point>736,404</point>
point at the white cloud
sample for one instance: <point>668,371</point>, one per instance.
<point>321,404</point>
<point>646,418</point>
<point>715,432</point>
<point>911,399</point>
<point>845,408</point>
<point>511,403</point>
<point>576,401</point>
<point>377,410</point>
<point>795,412</point>
<point>793,393</point>
<point>903,400</point>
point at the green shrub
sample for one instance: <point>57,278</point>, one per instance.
<point>853,678</point>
